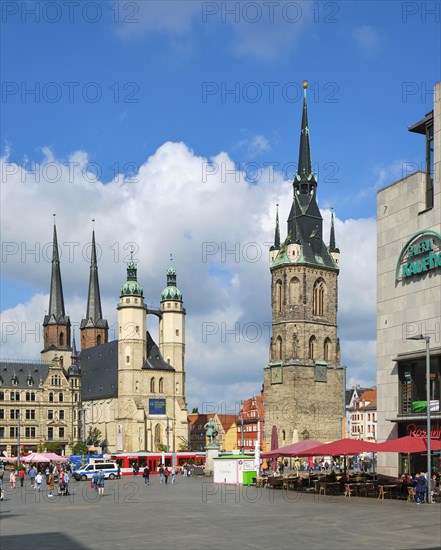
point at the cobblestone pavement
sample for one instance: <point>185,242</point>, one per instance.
<point>196,514</point>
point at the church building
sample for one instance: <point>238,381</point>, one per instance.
<point>304,381</point>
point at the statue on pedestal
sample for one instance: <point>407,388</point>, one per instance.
<point>212,432</point>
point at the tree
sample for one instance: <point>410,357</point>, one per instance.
<point>162,448</point>
<point>52,447</point>
<point>79,449</point>
<point>94,436</point>
<point>183,446</point>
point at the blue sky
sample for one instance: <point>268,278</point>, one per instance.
<point>162,77</point>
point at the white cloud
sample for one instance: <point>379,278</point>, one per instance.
<point>368,40</point>
<point>254,145</point>
<point>218,227</point>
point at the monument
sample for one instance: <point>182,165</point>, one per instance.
<point>213,446</point>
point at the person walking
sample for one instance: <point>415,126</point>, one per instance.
<point>12,479</point>
<point>50,485</point>
<point>118,474</point>
<point>38,481</point>
<point>31,474</point>
<point>166,474</point>
<point>21,475</point>
<point>174,472</point>
<point>95,480</point>
<point>46,473</point>
<point>146,475</point>
<point>161,474</point>
<point>101,483</point>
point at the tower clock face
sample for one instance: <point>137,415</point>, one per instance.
<point>276,375</point>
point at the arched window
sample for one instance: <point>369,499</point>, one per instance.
<point>279,346</point>
<point>161,385</point>
<point>279,296</point>
<point>157,434</point>
<point>152,385</point>
<point>312,347</point>
<point>294,291</point>
<point>98,340</point>
<point>319,297</point>
<point>61,339</point>
<point>283,435</point>
<point>295,346</point>
<point>327,350</point>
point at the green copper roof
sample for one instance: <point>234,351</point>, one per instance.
<point>171,291</point>
<point>131,287</point>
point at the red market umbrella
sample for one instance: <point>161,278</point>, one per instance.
<point>342,447</point>
<point>408,444</point>
<point>295,449</point>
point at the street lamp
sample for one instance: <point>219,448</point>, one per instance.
<point>429,458</point>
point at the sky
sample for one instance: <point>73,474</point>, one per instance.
<point>175,125</point>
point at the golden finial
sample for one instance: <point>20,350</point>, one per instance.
<point>304,84</point>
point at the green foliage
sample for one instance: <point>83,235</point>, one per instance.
<point>94,437</point>
<point>162,448</point>
<point>79,449</point>
<point>183,446</point>
<point>53,447</point>
<point>191,460</point>
<point>195,410</point>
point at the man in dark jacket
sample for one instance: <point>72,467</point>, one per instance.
<point>420,488</point>
<point>146,475</point>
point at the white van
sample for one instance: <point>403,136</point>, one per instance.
<point>110,470</point>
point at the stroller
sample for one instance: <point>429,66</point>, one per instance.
<point>63,489</point>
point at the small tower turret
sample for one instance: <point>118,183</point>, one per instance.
<point>172,323</point>
<point>333,250</point>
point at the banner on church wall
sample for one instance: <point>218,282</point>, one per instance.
<point>157,406</point>
<point>119,437</point>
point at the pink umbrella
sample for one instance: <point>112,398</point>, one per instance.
<point>44,457</point>
<point>294,449</point>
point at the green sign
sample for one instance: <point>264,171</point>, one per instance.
<point>421,253</point>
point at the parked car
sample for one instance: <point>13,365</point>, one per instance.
<point>85,472</point>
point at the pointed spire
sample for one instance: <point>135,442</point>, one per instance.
<point>332,247</point>
<point>277,232</point>
<point>94,312</point>
<point>74,354</point>
<point>304,166</point>
<point>56,301</point>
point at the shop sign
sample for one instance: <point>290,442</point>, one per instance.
<point>421,253</point>
<point>416,431</point>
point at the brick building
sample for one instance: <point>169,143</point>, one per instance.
<point>251,424</point>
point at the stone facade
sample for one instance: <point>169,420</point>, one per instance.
<point>407,306</point>
<point>304,381</point>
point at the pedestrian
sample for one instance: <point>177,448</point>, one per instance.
<point>101,483</point>
<point>118,474</point>
<point>173,474</point>
<point>161,474</point>
<point>2,473</point>
<point>50,485</point>
<point>420,488</point>
<point>21,475</point>
<point>146,475</point>
<point>31,474</point>
<point>166,474</point>
<point>46,473</point>
<point>95,480</point>
<point>38,481</point>
<point>66,482</point>
<point>12,479</point>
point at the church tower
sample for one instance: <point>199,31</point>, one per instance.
<point>304,382</point>
<point>94,329</point>
<point>56,324</point>
<point>132,349</point>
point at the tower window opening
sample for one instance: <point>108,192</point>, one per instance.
<point>61,339</point>
<point>312,347</point>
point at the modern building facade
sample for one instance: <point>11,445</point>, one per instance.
<point>304,381</point>
<point>409,296</point>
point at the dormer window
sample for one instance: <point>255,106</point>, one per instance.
<point>30,381</point>
<point>14,380</point>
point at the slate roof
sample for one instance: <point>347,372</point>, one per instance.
<point>21,372</point>
<point>99,368</point>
